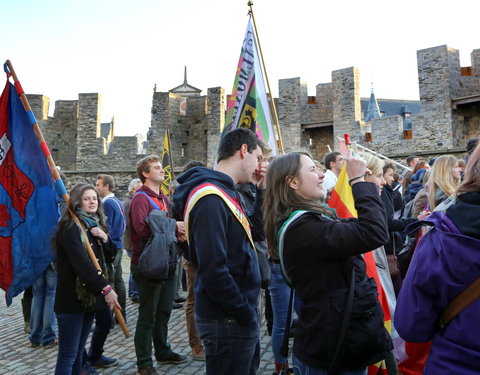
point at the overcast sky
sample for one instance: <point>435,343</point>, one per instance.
<point>121,48</point>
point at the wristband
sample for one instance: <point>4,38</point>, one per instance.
<point>107,290</point>
<point>356,178</point>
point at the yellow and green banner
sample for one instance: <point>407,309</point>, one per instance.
<point>248,105</point>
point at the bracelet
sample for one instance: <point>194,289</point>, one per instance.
<point>356,178</point>
<point>107,290</point>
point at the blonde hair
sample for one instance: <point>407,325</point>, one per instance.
<point>373,163</point>
<point>441,178</point>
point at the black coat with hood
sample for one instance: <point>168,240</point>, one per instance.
<point>228,280</point>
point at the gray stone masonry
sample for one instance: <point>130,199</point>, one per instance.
<point>346,104</point>
<point>290,104</point>
<point>216,121</point>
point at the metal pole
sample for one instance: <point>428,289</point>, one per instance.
<point>379,155</point>
<point>272,103</point>
<point>56,177</point>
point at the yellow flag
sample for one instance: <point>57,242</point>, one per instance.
<point>167,164</point>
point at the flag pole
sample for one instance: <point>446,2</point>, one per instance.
<point>272,103</point>
<point>58,181</point>
<point>170,153</point>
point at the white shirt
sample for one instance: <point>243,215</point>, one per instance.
<point>330,180</point>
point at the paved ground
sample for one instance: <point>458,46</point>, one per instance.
<point>17,357</point>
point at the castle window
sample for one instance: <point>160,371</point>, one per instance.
<point>407,134</point>
<point>184,146</point>
<point>187,133</point>
<point>368,137</point>
<point>205,132</point>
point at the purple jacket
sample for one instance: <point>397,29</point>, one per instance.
<point>444,264</point>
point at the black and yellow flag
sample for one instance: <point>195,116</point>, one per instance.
<point>167,164</point>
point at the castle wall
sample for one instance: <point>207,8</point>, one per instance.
<point>291,100</point>
<point>346,104</point>
<point>437,70</point>
<point>215,121</point>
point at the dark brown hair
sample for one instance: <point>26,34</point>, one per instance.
<point>143,165</point>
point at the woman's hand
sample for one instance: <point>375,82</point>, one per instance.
<point>356,168</point>
<point>423,215</point>
<point>97,232</point>
<point>111,299</point>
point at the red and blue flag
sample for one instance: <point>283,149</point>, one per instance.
<point>28,202</point>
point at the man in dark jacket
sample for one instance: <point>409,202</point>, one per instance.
<point>221,248</point>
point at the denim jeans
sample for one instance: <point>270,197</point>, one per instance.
<point>42,319</point>
<point>229,348</point>
<point>279,296</point>
<point>132,285</point>
<point>300,368</point>
<point>73,330</point>
<point>103,322</point>
<point>154,311</point>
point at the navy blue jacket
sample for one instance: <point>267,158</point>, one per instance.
<point>115,213</point>
<point>228,279</point>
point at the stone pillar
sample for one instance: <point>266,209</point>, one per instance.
<point>292,102</point>
<point>40,106</point>
<point>346,104</point>
<point>160,121</point>
<point>216,121</point>
<point>325,101</point>
<point>438,77</point>
<point>89,143</point>
<point>475,58</point>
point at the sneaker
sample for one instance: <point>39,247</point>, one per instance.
<point>34,344</point>
<point>173,359</point>
<point>177,305</point>
<point>180,300</point>
<point>50,344</point>
<point>198,354</point>
<point>104,362</point>
<point>146,371</point>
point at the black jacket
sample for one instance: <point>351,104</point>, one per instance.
<point>227,284</point>
<point>319,254</point>
<point>395,241</point>
<point>73,261</point>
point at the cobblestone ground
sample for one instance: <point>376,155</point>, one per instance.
<point>18,357</point>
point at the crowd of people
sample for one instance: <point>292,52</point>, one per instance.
<point>260,233</point>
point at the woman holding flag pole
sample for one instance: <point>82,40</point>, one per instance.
<point>340,328</point>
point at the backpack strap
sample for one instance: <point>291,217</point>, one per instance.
<point>121,210</point>
<point>280,239</point>
<point>209,189</point>
<point>459,303</point>
<point>155,202</point>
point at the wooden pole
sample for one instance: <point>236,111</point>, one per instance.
<point>272,103</point>
<point>56,177</point>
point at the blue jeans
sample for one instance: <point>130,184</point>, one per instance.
<point>73,330</point>
<point>42,318</point>
<point>279,296</point>
<point>230,349</point>
<point>300,368</point>
<point>103,322</point>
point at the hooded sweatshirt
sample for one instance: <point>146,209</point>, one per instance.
<point>446,262</point>
<point>228,280</point>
